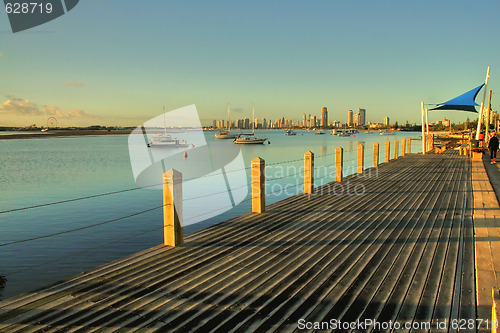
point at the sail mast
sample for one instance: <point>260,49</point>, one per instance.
<point>253,118</point>
<point>164,121</point>
<point>482,104</point>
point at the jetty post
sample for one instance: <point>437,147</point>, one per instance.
<point>424,135</point>
<point>173,231</point>
<point>309,172</point>
<point>361,157</point>
<point>403,147</point>
<point>375,154</point>
<point>408,147</point>
<point>258,185</point>
<point>339,155</point>
<point>396,149</point>
<point>387,151</point>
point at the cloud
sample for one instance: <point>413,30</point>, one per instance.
<point>72,84</point>
<point>55,111</point>
<point>78,113</point>
<point>23,107</point>
<point>19,106</point>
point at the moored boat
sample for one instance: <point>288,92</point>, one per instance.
<point>244,139</point>
<point>165,140</point>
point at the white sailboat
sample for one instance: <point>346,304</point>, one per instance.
<point>165,140</point>
<point>227,134</point>
<point>249,138</point>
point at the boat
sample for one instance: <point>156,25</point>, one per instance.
<point>165,140</point>
<point>339,132</point>
<point>386,133</point>
<point>226,134</point>
<point>290,132</point>
<point>343,133</point>
<point>248,139</point>
<point>319,132</point>
<point>368,132</point>
<point>245,139</point>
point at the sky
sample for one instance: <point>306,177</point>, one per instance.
<point>119,62</point>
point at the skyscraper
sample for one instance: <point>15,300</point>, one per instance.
<point>324,117</point>
<point>387,121</point>
<point>349,118</point>
<point>356,119</point>
<point>362,117</point>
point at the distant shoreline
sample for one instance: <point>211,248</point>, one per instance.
<point>52,134</point>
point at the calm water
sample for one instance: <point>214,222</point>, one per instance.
<point>39,171</point>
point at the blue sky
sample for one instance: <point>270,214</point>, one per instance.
<point>119,62</point>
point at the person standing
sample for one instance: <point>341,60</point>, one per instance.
<point>493,147</point>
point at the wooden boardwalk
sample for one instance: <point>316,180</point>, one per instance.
<point>402,251</point>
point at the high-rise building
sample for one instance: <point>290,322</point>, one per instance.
<point>349,118</point>
<point>214,124</point>
<point>362,117</point>
<point>387,121</point>
<point>312,122</point>
<point>247,123</point>
<point>264,123</point>
<point>356,119</point>
<point>304,120</point>
<point>324,117</point>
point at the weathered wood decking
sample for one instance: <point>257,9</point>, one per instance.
<point>402,251</point>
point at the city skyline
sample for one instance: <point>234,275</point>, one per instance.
<point>115,63</point>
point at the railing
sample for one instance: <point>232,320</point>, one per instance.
<point>173,219</point>
<point>172,188</point>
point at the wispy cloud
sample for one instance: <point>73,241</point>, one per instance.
<point>78,113</point>
<point>55,111</point>
<point>72,84</point>
<point>19,106</point>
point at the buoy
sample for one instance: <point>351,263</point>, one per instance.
<point>185,154</point>
<point>355,136</point>
<point>192,145</point>
<point>268,142</point>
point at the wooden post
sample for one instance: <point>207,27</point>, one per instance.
<point>403,147</point>
<point>375,154</point>
<point>424,135</point>
<point>408,146</point>
<point>309,172</point>
<point>387,150</point>
<point>258,185</point>
<point>173,232</point>
<point>339,155</point>
<point>361,157</point>
<point>396,149</point>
